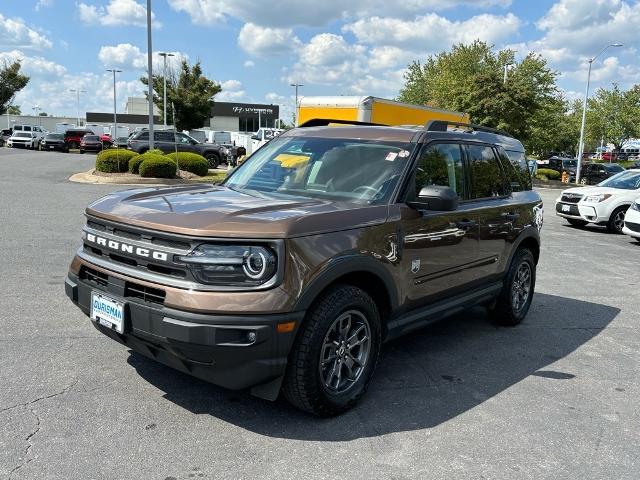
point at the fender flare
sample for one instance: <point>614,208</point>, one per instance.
<point>529,232</point>
<point>341,266</point>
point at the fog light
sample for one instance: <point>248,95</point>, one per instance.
<point>251,337</point>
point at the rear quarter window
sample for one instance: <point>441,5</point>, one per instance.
<point>516,168</point>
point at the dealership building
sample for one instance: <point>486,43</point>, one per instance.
<point>243,117</point>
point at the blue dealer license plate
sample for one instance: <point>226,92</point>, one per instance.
<point>107,312</point>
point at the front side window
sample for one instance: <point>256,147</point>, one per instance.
<point>488,178</point>
<point>439,164</point>
<point>350,170</point>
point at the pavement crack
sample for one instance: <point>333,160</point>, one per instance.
<point>38,399</point>
<point>29,439</point>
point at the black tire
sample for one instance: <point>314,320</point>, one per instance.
<point>304,385</point>
<point>81,151</point>
<point>576,223</point>
<point>506,311</point>
<point>616,220</point>
<point>213,159</point>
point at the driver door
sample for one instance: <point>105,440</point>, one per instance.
<point>440,249</point>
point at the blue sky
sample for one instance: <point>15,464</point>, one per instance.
<point>255,49</point>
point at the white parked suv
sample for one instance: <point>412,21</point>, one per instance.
<point>37,130</point>
<point>604,204</point>
<point>23,139</point>
<point>632,220</point>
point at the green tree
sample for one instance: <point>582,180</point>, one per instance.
<point>469,79</point>
<point>14,110</point>
<point>190,92</point>
<point>556,127</point>
<point>43,114</point>
<point>11,82</point>
<point>612,116</point>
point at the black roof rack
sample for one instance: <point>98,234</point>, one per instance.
<point>443,125</point>
<point>323,122</point>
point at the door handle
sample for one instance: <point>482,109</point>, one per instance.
<point>466,224</point>
<point>511,216</point>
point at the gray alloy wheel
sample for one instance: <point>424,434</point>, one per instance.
<point>616,221</point>
<point>521,287</point>
<point>584,181</point>
<point>345,352</point>
<point>213,159</point>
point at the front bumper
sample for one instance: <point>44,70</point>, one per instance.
<point>220,349</point>
<point>580,211</point>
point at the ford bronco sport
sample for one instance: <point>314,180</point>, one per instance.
<point>325,243</point>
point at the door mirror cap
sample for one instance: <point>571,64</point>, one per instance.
<point>437,198</point>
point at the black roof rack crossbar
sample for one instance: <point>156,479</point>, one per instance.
<point>323,122</point>
<point>442,126</point>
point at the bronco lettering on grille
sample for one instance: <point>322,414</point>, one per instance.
<point>126,248</point>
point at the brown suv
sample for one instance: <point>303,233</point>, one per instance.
<point>327,242</point>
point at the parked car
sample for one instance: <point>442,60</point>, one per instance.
<point>91,143</point>
<point>37,130</point>
<point>632,220</point>
<point>169,141</point>
<point>23,140</point>
<point>604,204</point>
<point>121,142</point>
<point>106,140</point>
<point>74,136</point>
<point>223,138</point>
<point>563,164</point>
<point>594,173</point>
<point>321,246</point>
<point>54,141</point>
<point>5,134</point>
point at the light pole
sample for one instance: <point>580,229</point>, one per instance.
<point>150,74</point>
<point>114,134</point>
<point>77,91</point>
<point>296,85</point>
<point>37,110</point>
<point>584,111</point>
<point>506,69</point>
<point>164,56</point>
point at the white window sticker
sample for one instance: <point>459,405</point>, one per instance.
<point>391,156</point>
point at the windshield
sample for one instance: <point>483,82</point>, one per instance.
<point>91,138</point>
<point>22,135</point>
<point>627,180</point>
<point>351,170</point>
<point>222,137</point>
<point>54,136</point>
<point>613,168</point>
<point>569,163</point>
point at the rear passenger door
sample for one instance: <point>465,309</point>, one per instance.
<point>440,249</point>
<point>163,140</point>
<point>491,195</point>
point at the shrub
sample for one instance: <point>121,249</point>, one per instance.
<point>158,166</point>
<point>548,173</point>
<point>114,160</point>
<point>134,163</point>
<point>155,151</point>
<point>191,162</point>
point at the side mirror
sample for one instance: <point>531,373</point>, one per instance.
<point>438,198</point>
<point>255,137</point>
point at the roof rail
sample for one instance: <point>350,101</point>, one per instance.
<point>323,122</point>
<point>442,125</point>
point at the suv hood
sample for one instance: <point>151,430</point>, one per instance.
<point>218,211</point>
<point>597,190</point>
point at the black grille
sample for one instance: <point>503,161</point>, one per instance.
<point>94,276</point>
<point>571,198</point>
<point>146,294</point>
<point>634,227</point>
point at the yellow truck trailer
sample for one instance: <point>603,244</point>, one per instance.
<point>372,110</point>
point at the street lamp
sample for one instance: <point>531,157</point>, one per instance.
<point>164,56</point>
<point>584,111</point>
<point>296,85</point>
<point>37,110</point>
<point>150,74</point>
<point>77,91</point>
<point>114,134</point>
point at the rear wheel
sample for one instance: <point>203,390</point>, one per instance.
<point>576,223</point>
<point>515,298</point>
<point>335,354</point>
<point>616,220</point>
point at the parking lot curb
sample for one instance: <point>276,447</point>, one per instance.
<point>89,177</point>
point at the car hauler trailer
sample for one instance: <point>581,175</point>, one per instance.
<point>372,110</point>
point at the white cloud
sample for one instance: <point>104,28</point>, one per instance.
<point>232,91</point>
<point>249,64</point>
<point>130,57</point>
<point>288,13</point>
<point>116,13</point>
<point>420,32</point>
<point>263,41</point>
<point>385,57</point>
<point>14,33</point>
<point>43,4</point>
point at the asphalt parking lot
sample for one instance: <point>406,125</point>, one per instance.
<point>556,397</point>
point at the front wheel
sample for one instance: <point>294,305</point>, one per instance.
<point>213,160</point>
<point>335,353</point>
<point>616,220</point>
<point>515,298</point>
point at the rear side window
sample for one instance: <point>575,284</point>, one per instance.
<point>488,179</point>
<point>516,169</point>
<point>439,164</point>
<point>143,136</point>
<point>163,136</point>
